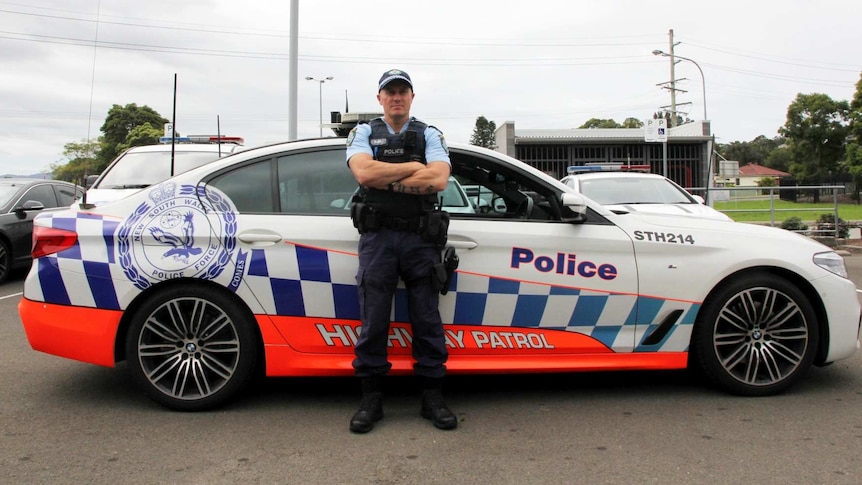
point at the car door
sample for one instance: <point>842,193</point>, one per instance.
<point>298,245</point>
<point>19,225</point>
<point>530,283</point>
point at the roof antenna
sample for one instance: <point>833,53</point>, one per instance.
<point>346,108</point>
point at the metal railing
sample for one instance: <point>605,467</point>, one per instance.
<point>771,193</point>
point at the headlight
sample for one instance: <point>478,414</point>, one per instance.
<point>832,262</point>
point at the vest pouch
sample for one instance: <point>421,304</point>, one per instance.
<point>434,228</point>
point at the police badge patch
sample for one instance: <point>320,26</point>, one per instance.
<point>443,143</point>
<point>351,136</point>
<point>180,232</point>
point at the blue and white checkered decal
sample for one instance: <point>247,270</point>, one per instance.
<point>314,282</point>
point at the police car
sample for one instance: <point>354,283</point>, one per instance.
<point>245,266</point>
<point>141,166</point>
<point>631,188</point>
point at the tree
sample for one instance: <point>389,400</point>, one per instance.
<point>754,151</point>
<point>853,151</point>
<point>483,133</point>
<point>600,123</point>
<point>141,135</point>
<point>82,161</point>
<point>816,130</point>
<point>119,123</point>
<point>633,123</point>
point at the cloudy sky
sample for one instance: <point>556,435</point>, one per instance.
<point>541,64</point>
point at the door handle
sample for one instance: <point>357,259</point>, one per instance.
<point>259,238</point>
<point>462,244</point>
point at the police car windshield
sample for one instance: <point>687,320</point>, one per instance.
<point>632,190</point>
<point>139,170</point>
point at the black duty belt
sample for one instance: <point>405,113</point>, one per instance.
<point>405,224</point>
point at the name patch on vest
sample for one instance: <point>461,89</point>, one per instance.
<point>378,142</point>
<point>391,152</point>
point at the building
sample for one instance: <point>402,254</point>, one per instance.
<point>688,159</point>
<point>751,173</point>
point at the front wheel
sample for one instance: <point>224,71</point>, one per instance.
<point>191,348</point>
<point>756,336</point>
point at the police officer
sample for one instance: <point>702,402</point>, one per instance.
<point>400,164</point>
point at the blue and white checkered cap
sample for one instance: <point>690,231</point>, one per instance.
<point>393,75</point>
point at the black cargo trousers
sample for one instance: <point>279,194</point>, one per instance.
<point>385,255</point>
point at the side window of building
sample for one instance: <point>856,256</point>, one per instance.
<point>249,187</point>
<point>43,193</point>
<point>316,182</point>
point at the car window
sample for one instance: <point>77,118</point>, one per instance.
<point>631,190</point>
<point>43,193</point>
<point>249,187</point>
<point>142,169</point>
<point>316,182</point>
<point>67,194</point>
<point>501,193</point>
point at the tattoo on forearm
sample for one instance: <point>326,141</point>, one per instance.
<point>399,187</point>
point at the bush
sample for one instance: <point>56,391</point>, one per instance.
<point>826,222</point>
<point>794,224</point>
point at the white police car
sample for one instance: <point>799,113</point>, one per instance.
<point>244,265</point>
<point>141,166</point>
<point>631,188</point>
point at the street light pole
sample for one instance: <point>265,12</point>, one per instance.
<point>702,77</point>
<point>320,90</point>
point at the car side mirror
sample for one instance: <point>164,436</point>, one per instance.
<point>575,203</point>
<point>91,179</point>
<point>28,206</point>
<point>699,199</point>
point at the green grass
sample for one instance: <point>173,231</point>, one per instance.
<point>807,211</point>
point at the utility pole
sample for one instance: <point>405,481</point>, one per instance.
<point>671,85</point>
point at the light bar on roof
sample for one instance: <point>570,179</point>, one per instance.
<point>606,167</point>
<point>206,139</point>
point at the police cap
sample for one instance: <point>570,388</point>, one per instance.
<point>393,75</point>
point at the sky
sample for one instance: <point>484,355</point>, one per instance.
<point>542,64</point>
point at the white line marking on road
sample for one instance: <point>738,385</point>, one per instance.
<point>21,293</point>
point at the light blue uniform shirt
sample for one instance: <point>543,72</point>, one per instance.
<point>435,146</point>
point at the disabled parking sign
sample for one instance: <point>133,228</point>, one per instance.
<point>655,130</point>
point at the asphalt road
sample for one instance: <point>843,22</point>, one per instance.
<point>65,422</point>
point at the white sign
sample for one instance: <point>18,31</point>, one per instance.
<point>656,130</point>
<point>169,130</point>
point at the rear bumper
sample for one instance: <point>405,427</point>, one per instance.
<point>79,333</point>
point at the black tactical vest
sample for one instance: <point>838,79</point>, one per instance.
<point>408,146</point>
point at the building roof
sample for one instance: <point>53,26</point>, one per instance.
<point>755,170</point>
<point>692,131</point>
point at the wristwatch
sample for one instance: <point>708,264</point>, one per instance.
<point>391,186</point>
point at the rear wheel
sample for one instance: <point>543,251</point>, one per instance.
<point>191,348</point>
<point>756,336</point>
<point>5,261</point>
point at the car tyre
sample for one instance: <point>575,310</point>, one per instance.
<point>192,347</point>
<point>5,261</point>
<point>756,336</point>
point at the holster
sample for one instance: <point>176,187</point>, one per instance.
<point>444,270</point>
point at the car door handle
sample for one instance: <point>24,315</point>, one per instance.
<point>462,244</point>
<point>260,238</point>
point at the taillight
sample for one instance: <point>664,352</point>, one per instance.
<point>47,240</point>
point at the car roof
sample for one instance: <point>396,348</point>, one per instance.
<point>27,181</point>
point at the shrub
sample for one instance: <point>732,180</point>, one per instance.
<point>794,224</point>
<point>827,222</point>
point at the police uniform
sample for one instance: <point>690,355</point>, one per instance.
<point>396,243</point>
<point>395,250</point>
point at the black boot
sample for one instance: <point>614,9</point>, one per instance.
<point>371,407</point>
<point>433,406</point>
